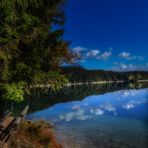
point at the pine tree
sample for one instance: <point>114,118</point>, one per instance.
<point>29,41</point>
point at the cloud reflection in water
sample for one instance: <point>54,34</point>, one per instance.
<point>96,106</point>
<point>116,103</point>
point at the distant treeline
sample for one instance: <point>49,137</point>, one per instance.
<point>79,74</point>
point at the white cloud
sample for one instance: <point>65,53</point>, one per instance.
<point>128,56</point>
<point>92,53</point>
<point>125,67</point>
<point>108,107</point>
<point>97,111</point>
<point>126,93</point>
<point>105,56</point>
<point>133,103</point>
<point>129,67</point>
<point>77,114</point>
<point>79,49</point>
<point>125,55</point>
<point>128,106</point>
<point>89,53</point>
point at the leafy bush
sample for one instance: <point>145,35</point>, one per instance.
<point>39,78</point>
<point>13,91</point>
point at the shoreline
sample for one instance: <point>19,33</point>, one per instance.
<point>84,83</point>
<point>99,82</point>
<point>103,82</point>
<point>48,126</point>
<point>34,133</point>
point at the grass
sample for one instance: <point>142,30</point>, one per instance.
<point>33,135</point>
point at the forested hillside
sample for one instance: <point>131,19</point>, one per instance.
<point>79,74</point>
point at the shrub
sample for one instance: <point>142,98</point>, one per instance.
<point>13,91</point>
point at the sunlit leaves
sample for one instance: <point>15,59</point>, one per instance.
<point>13,92</point>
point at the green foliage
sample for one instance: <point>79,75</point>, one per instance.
<point>13,91</point>
<point>39,78</point>
<point>28,38</point>
<point>22,72</point>
<point>53,79</point>
<point>57,80</point>
<point>30,46</point>
<point>134,77</point>
<point>79,74</point>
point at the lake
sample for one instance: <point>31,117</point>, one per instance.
<point>99,116</point>
<point>94,116</point>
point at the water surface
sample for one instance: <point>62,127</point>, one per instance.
<point>97,116</point>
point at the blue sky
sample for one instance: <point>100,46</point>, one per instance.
<point>109,34</point>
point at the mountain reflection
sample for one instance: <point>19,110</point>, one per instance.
<point>41,99</point>
<point>114,103</point>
